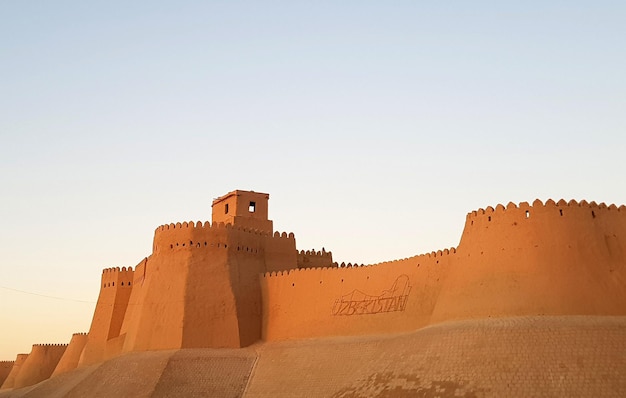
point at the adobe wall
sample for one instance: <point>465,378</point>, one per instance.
<point>5,369</point>
<point>200,286</point>
<point>388,297</point>
<point>9,382</point>
<point>315,259</point>
<point>553,259</point>
<point>280,252</point>
<point>71,356</point>
<point>40,364</point>
<point>115,291</point>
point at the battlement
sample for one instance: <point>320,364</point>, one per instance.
<point>80,334</point>
<point>117,277</point>
<point>186,225</point>
<point>525,225</point>
<point>233,281</point>
<point>322,253</point>
<point>190,234</point>
<point>434,255</point>
<point>538,207</point>
<point>313,258</point>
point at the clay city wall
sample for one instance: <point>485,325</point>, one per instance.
<point>5,369</point>
<point>71,356</point>
<point>315,259</point>
<point>388,297</point>
<point>115,291</point>
<point>545,259</point>
<point>205,277</point>
<point>39,364</point>
<point>216,285</point>
<point>9,382</point>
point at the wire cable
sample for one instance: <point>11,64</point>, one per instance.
<point>46,296</point>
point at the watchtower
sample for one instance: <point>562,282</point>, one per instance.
<point>243,208</point>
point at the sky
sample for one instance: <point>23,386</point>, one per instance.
<point>374,126</point>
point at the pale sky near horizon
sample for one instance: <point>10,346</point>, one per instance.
<point>374,126</point>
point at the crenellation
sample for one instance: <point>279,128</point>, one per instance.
<point>234,281</point>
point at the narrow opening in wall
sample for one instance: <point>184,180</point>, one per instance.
<point>593,214</point>
<point>252,207</point>
<point>489,218</point>
<point>128,283</point>
<point>226,209</point>
<point>561,211</point>
<point>122,283</point>
<point>527,214</point>
<point>113,283</point>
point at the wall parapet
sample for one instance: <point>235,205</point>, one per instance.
<point>123,276</point>
<point>318,253</point>
<point>561,206</point>
<point>186,225</point>
<point>190,234</point>
<point>355,266</point>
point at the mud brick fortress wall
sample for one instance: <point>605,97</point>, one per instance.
<point>234,281</point>
<point>545,259</point>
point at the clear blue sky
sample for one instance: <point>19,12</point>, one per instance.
<point>374,126</point>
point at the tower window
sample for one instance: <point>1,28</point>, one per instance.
<point>226,209</point>
<point>252,207</point>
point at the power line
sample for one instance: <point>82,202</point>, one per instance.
<point>45,295</point>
